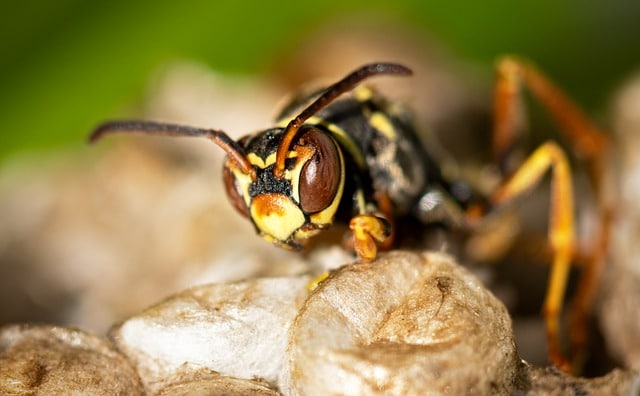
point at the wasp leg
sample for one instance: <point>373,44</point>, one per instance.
<point>372,224</point>
<point>317,281</point>
<point>586,293</point>
<point>385,206</point>
<point>561,230</point>
<point>588,142</point>
<point>369,231</point>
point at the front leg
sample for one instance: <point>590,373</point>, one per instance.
<point>549,156</point>
<point>591,146</point>
<point>372,224</point>
<point>369,231</point>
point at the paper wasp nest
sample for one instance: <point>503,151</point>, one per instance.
<point>405,324</point>
<point>408,323</point>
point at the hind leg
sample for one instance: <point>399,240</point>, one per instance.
<point>590,145</point>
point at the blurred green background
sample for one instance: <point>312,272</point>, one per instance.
<point>68,64</point>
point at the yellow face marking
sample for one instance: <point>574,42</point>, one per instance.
<point>271,159</point>
<point>276,216</point>
<point>260,162</point>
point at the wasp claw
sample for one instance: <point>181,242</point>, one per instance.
<point>368,232</point>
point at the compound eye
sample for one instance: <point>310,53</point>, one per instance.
<point>320,175</point>
<point>234,192</point>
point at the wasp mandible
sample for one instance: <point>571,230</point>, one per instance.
<point>343,154</point>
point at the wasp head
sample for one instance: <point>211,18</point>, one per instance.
<point>291,207</point>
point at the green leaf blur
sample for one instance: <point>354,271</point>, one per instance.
<point>67,65</point>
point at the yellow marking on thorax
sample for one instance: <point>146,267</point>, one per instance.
<point>378,119</point>
<point>382,123</point>
<point>362,93</point>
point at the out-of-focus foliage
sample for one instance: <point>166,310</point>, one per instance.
<point>68,64</point>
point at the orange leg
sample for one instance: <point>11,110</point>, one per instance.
<point>586,293</point>
<point>372,227</point>
<point>369,231</point>
<point>385,206</point>
<point>590,144</point>
<point>588,141</point>
<point>561,230</point>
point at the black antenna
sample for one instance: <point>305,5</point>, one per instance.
<point>232,148</point>
<point>329,95</point>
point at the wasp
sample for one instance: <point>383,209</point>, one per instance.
<point>339,154</point>
<point>344,154</point>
